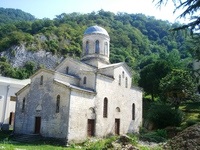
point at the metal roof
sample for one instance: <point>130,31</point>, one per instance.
<point>95,30</point>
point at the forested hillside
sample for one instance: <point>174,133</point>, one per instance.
<point>8,15</point>
<point>136,39</point>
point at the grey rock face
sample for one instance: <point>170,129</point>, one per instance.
<point>18,56</point>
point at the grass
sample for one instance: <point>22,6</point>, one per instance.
<point>192,113</point>
<point>7,144</point>
<point>93,144</point>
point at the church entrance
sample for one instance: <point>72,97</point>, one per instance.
<point>91,127</point>
<point>37,125</point>
<point>117,126</point>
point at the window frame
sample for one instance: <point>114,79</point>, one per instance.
<point>126,82</point>
<point>133,111</point>
<point>97,48</point>
<point>120,80</point>
<point>85,80</point>
<point>105,107</point>
<point>23,104</point>
<point>41,79</point>
<point>58,104</point>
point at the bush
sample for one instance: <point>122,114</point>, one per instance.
<point>155,136</point>
<point>162,115</point>
<point>191,122</point>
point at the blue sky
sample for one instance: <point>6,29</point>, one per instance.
<point>51,8</point>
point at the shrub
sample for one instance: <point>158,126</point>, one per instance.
<point>191,122</point>
<point>155,136</point>
<point>162,115</point>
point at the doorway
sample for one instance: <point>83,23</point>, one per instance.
<point>117,126</point>
<point>91,127</point>
<point>37,125</point>
<point>11,119</point>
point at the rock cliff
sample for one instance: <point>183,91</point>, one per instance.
<point>18,56</point>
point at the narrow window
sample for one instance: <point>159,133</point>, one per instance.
<point>133,111</point>
<point>105,108</point>
<point>97,47</point>
<point>67,70</point>
<point>87,48</point>
<point>58,104</point>
<point>126,82</point>
<point>41,80</point>
<point>119,79</point>
<point>84,80</point>
<point>23,105</point>
<point>106,48</point>
<point>122,74</point>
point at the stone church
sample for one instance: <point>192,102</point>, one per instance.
<point>80,99</point>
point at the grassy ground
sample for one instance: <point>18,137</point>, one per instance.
<point>192,113</point>
<point>101,144</point>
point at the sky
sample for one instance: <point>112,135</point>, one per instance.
<point>50,8</point>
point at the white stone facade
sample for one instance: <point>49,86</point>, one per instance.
<point>8,88</point>
<point>83,98</point>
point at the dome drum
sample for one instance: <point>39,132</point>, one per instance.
<point>96,45</point>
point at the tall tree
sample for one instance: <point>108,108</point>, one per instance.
<point>151,75</point>
<point>177,86</point>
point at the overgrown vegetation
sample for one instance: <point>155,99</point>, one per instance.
<point>143,40</point>
<point>91,144</point>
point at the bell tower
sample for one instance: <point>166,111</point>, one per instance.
<point>96,46</point>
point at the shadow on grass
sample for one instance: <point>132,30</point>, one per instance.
<point>6,137</point>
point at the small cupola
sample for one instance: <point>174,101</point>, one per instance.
<point>96,46</point>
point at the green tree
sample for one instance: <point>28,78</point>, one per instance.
<point>151,75</point>
<point>177,86</point>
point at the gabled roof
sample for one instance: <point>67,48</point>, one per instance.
<point>21,90</point>
<point>90,68</point>
<point>74,87</point>
<point>116,65</point>
<point>42,70</point>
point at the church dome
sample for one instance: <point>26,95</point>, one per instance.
<point>96,30</point>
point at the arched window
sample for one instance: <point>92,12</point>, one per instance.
<point>126,82</point>
<point>58,104</point>
<point>87,47</point>
<point>117,109</point>
<point>105,108</point>
<point>133,111</point>
<point>67,70</point>
<point>41,80</point>
<point>23,105</point>
<point>120,80</point>
<point>122,74</point>
<point>106,48</point>
<point>97,47</point>
<point>84,80</point>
